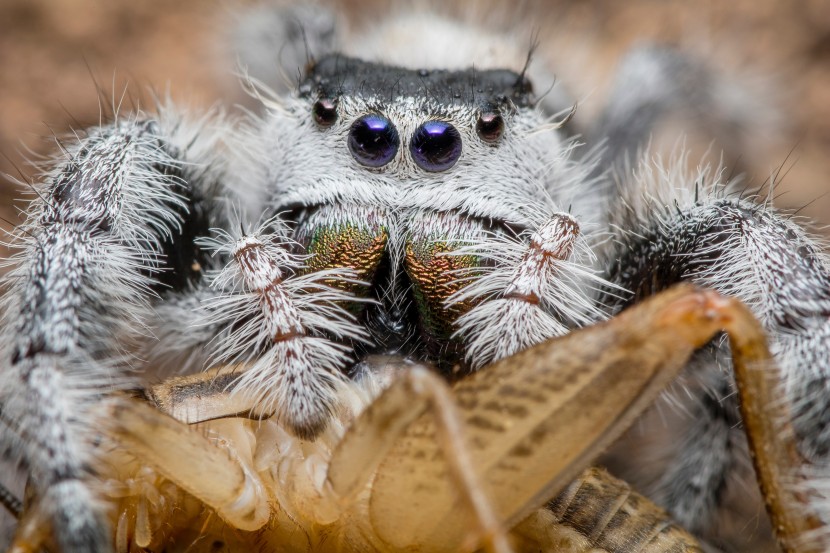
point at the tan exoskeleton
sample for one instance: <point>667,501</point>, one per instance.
<point>424,467</point>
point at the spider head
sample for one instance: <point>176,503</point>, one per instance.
<point>376,135</point>
<point>388,170</point>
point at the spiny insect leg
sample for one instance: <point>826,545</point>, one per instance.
<point>203,396</point>
<point>536,419</point>
<point>184,456</point>
<point>414,393</point>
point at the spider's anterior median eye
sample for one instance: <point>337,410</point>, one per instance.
<point>435,146</point>
<point>325,112</point>
<point>373,140</point>
<point>490,126</point>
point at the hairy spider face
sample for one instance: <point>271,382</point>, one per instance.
<point>386,170</point>
<point>400,139</point>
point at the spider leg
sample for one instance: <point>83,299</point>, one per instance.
<point>654,83</point>
<point>765,259</point>
<point>111,230</point>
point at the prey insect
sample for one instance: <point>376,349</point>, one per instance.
<point>375,218</point>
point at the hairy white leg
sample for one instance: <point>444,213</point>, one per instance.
<point>101,240</point>
<point>687,228</point>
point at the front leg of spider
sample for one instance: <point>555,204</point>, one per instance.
<point>111,229</point>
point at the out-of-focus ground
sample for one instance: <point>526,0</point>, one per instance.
<point>52,52</point>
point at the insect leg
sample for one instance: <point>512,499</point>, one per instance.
<point>203,397</point>
<point>415,392</point>
<point>536,419</point>
<point>184,456</point>
<point>110,230</point>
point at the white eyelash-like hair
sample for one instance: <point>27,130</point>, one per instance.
<point>532,287</point>
<point>279,322</point>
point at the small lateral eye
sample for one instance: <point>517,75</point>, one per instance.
<point>490,126</point>
<point>435,146</point>
<point>373,140</point>
<point>325,112</point>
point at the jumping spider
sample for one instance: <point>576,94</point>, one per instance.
<point>380,217</point>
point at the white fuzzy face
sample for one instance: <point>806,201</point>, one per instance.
<point>507,180</point>
<point>396,214</point>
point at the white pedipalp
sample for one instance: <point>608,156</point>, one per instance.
<point>538,286</point>
<point>282,324</point>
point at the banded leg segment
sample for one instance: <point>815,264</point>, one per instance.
<point>528,289</point>
<point>288,326</point>
<point>95,247</point>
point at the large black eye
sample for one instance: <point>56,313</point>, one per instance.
<point>435,146</point>
<point>325,112</point>
<point>490,126</point>
<point>373,140</point>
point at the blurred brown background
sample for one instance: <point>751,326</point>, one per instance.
<point>53,51</point>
